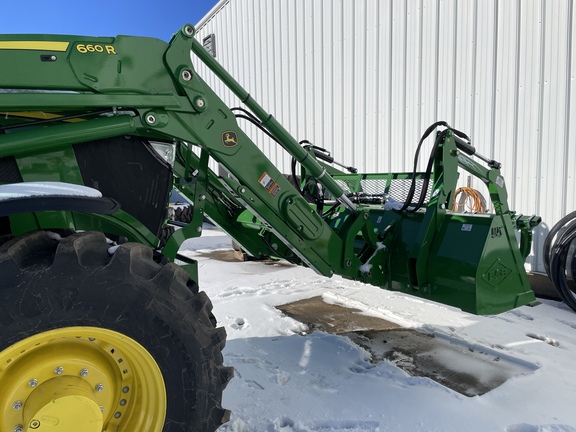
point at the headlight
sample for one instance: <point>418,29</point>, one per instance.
<point>165,151</point>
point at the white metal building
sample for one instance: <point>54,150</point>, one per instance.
<point>365,78</point>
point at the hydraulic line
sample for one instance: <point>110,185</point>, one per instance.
<point>273,126</point>
<point>428,174</point>
<point>412,189</point>
<point>560,258</point>
<point>320,152</point>
<point>247,115</point>
<point>57,118</point>
<point>314,186</point>
<point>462,142</point>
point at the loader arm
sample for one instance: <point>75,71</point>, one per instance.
<point>98,88</point>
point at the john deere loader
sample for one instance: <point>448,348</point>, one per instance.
<point>102,324</point>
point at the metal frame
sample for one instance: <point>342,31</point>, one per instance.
<point>152,90</point>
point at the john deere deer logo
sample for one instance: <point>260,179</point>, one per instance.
<point>229,139</point>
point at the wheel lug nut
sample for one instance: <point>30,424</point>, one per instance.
<point>18,428</point>
<point>17,405</point>
<point>33,383</point>
<point>99,388</point>
<point>59,370</point>
<point>84,373</point>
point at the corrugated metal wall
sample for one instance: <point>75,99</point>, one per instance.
<point>364,78</point>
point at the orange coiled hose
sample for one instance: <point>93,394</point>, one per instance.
<point>470,200</point>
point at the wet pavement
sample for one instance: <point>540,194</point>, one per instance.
<point>465,368</point>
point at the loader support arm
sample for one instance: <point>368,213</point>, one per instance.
<point>103,88</point>
<point>288,142</point>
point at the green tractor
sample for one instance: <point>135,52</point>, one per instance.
<point>100,329</point>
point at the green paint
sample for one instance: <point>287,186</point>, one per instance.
<point>151,89</point>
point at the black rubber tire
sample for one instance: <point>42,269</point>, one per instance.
<point>48,284</point>
<point>559,264</point>
<point>184,214</point>
<point>561,227</point>
<point>557,260</point>
<point>165,233</point>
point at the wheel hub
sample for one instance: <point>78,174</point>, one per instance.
<point>62,405</point>
<point>80,379</point>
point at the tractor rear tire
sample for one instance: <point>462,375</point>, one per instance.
<point>49,284</point>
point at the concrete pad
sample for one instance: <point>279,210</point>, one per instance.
<point>468,369</point>
<point>331,318</point>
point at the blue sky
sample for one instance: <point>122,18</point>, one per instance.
<point>159,19</point>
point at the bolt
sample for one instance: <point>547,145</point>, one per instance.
<point>202,197</point>
<point>126,389</point>
<point>200,102</point>
<point>53,58</point>
<point>187,75</point>
<point>150,119</point>
<point>84,373</point>
<point>101,408</point>
<point>33,383</point>
<point>242,190</point>
<point>189,30</point>
<point>99,388</point>
<point>199,229</point>
<point>117,415</point>
<point>18,428</point>
<point>34,424</point>
<point>122,402</point>
<point>59,370</point>
<point>17,405</point>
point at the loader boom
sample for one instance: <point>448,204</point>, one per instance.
<point>131,118</point>
<point>146,88</point>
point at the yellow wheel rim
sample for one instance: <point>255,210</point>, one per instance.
<point>80,379</point>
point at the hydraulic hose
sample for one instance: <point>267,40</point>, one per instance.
<point>273,126</point>
<point>412,189</point>
<point>560,258</point>
<point>469,200</point>
<point>462,141</point>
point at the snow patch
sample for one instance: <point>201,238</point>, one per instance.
<point>35,189</point>
<point>112,250</point>
<point>392,204</point>
<point>54,236</point>
<point>324,383</point>
<point>523,427</point>
<point>366,267</point>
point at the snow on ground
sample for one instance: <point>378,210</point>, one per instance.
<point>287,380</point>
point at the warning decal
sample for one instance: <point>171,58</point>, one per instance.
<point>275,189</point>
<point>270,185</point>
